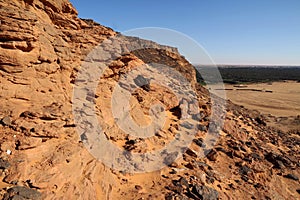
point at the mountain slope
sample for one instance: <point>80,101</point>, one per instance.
<point>43,47</point>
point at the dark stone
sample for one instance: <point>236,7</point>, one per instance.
<point>202,165</point>
<point>190,166</point>
<point>202,128</point>
<point>187,125</point>
<point>260,121</point>
<point>292,176</point>
<point>183,183</point>
<point>257,185</point>
<point>19,192</point>
<point>198,141</point>
<point>245,178</point>
<point>142,82</point>
<point>220,149</point>
<point>28,114</point>
<point>256,156</point>
<point>298,191</point>
<point>191,152</point>
<point>278,161</point>
<point>176,111</point>
<point>206,119</point>
<point>244,170</point>
<point>204,192</point>
<point>130,142</point>
<point>83,137</point>
<point>138,187</point>
<point>4,164</point>
<point>210,180</point>
<point>212,155</point>
<point>248,143</point>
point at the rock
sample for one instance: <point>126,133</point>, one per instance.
<point>204,192</point>
<point>142,82</point>
<point>260,121</point>
<point>187,125</point>
<point>210,180</point>
<point>183,183</point>
<point>4,164</point>
<point>19,192</point>
<point>256,156</point>
<point>245,178</point>
<point>212,155</point>
<point>138,187</point>
<point>244,170</point>
<point>278,161</point>
<point>292,176</point>
<point>170,158</point>
<point>191,152</point>
<point>202,128</point>
<point>190,166</point>
<point>6,121</point>
<point>198,141</point>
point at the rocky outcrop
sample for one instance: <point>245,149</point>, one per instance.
<point>43,47</point>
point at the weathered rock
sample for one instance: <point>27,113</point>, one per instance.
<point>244,170</point>
<point>205,193</point>
<point>191,152</point>
<point>292,176</point>
<point>212,155</point>
<point>6,121</point>
<point>4,164</point>
<point>19,192</point>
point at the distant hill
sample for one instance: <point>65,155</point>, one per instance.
<point>235,74</point>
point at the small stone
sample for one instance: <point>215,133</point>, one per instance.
<point>190,166</point>
<point>212,155</point>
<point>210,180</point>
<point>183,183</point>
<point>244,170</point>
<point>292,176</point>
<point>279,164</point>
<point>260,121</point>
<point>191,152</point>
<point>6,121</point>
<point>202,128</point>
<point>187,125</point>
<point>256,156</point>
<point>205,193</point>
<point>142,82</point>
<point>138,187</point>
<point>4,164</point>
<point>170,158</point>
<point>245,178</point>
<point>198,141</point>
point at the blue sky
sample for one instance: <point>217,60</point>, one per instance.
<point>231,31</point>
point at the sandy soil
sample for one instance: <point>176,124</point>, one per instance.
<point>278,98</point>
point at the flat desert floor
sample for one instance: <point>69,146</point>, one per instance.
<point>280,99</point>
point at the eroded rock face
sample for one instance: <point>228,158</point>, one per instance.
<point>43,45</point>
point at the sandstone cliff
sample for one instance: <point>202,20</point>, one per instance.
<point>43,45</point>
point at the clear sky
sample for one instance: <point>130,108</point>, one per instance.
<point>231,31</point>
